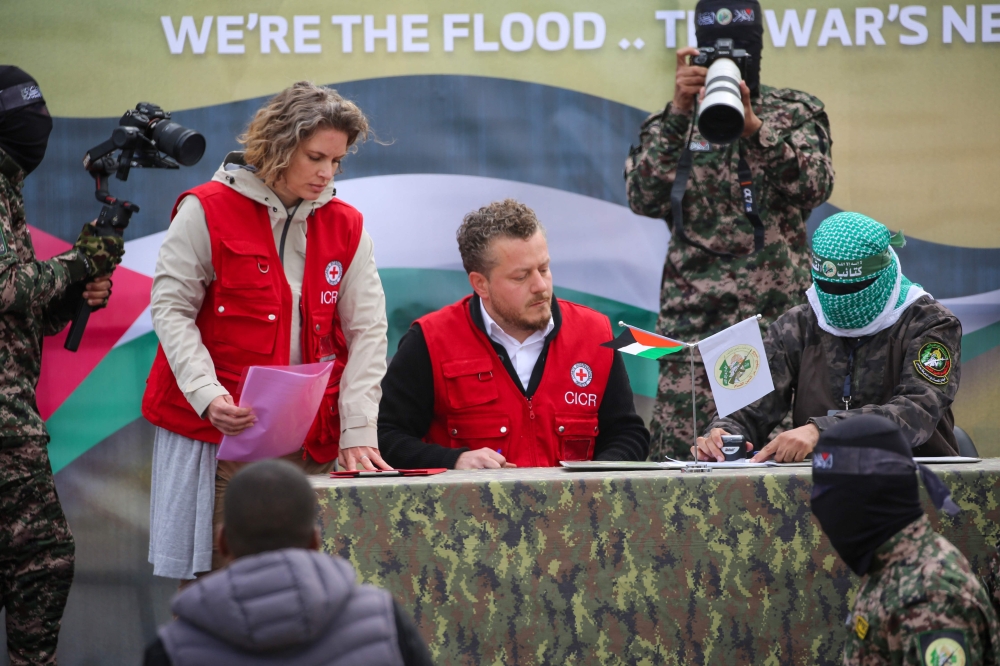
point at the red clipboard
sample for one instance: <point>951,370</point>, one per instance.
<point>396,472</point>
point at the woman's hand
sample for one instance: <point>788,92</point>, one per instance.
<point>227,417</point>
<point>365,457</point>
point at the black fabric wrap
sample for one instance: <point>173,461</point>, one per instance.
<point>746,35</point>
<point>24,132</point>
<point>861,509</point>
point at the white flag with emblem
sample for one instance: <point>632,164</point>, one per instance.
<point>737,366</point>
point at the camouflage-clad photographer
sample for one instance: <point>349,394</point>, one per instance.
<point>786,142</point>
<point>36,547</point>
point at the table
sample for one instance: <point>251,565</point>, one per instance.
<point>546,566</point>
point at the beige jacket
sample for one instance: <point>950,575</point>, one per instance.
<point>184,271</point>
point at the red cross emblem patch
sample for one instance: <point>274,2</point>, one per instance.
<point>334,271</point>
<point>581,374</point>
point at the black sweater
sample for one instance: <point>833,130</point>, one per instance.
<point>407,406</point>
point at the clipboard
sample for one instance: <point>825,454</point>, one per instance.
<point>358,473</point>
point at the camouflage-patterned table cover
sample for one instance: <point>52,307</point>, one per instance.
<point>547,566</point>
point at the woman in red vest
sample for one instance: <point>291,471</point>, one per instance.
<point>236,285</point>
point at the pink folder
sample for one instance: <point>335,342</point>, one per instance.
<point>285,400</point>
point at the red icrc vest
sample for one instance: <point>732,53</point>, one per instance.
<point>246,317</point>
<point>477,404</point>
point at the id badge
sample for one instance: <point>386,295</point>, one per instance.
<point>834,412</point>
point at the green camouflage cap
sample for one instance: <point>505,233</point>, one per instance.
<point>849,248</point>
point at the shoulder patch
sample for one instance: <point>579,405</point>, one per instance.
<point>861,627</point>
<point>945,646</point>
<point>933,363</point>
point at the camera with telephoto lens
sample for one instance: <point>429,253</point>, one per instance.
<point>146,138</point>
<point>720,117</point>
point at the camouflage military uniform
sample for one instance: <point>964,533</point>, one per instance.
<point>920,604</point>
<point>36,547</point>
<point>789,158</point>
<point>809,365</point>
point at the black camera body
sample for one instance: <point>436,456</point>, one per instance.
<point>723,49</point>
<point>734,447</point>
<point>147,138</point>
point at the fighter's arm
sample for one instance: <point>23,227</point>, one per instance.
<point>943,629</point>
<point>792,149</point>
<point>30,283</point>
<point>407,408</point>
<point>782,343</point>
<point>623,435</point>
<point>923,393</point>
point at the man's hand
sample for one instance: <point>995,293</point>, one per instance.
<point>363,457</point>
<point>791,445</point>
<point>482,459</point>
<point>689,80</point>
<point>227,417</point>
<point>751,123</point>
<point>98,292</point>
<point>709,448</point>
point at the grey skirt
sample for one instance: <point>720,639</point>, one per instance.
<point>181,504</point>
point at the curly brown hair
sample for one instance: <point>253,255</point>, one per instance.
<point>292,116</point>
<point>501,219</point>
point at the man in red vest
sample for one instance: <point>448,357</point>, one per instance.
<point>508,376</point>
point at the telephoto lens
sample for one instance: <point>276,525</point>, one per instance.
<point>183,144</point>
<point>720,119</point>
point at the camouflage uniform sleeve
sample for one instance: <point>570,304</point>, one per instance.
<point>651,166</point>
<point>792,149</point>
<point>757,420</point>
<point>59,312</point>
<point>937,631</point>
<point>29,283</point>
<point>920,399</point>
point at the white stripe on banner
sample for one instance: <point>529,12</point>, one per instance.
<point>597,247</point>
<point>976,311</point>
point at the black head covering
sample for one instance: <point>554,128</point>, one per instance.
<point>739,20</point>
<point>25,124</point>
<point>865,487</point>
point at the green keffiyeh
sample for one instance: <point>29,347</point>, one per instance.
<point>849,248</point>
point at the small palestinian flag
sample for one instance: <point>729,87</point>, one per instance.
<point>638,342</point>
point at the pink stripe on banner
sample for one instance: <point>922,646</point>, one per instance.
<point>62,370</point>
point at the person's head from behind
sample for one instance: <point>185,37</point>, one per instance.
<point>25,123</point>
<point>269,505</point>
<point>506,255</point>
<point>297,140</point>
<point>865,486</point>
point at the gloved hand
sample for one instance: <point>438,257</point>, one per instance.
<point>100,253</point>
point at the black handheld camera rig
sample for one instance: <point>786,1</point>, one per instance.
<point>147,139</point>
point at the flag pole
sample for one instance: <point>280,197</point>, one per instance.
<point>694,410</point>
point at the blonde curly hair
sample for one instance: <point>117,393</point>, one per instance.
<point>292,116</point>
<point>501,219</point>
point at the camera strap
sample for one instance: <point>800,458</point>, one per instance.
<point>677,195</point>
<point>750,202</point>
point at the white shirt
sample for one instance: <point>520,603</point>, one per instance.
<point>523,355</point>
